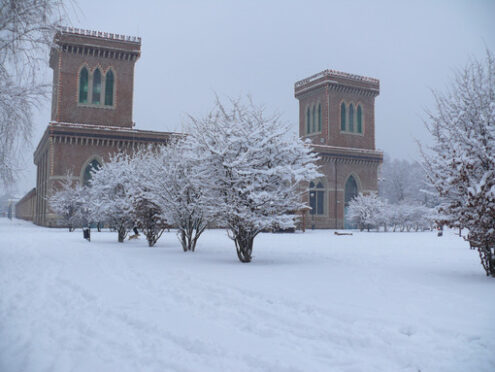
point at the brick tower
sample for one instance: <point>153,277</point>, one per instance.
<point>337,113</point>
<point>91,116</point>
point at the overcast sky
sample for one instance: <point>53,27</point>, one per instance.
<point>191,49</point>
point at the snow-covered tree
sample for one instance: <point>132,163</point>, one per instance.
<point>461,164</point>
<point>141,176</point>
<point>65,201</point>
<point>174,185</point>
<point>251,167</point>
<point>110,195</point>
<point>366,211</point>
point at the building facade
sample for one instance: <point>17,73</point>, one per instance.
<point>337,113</point>
<point>91,119</point>
<point>91,116</point>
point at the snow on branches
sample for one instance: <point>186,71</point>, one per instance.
<point>372,212</point>
<point>461,164</point>
<point>251,168</point>
<point>110,196</point>
<point>172,184</point>
<point>237,168</point>
<point>66,201</point>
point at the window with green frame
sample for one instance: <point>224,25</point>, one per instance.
<point>317,198</point>
<point>83,85</point>
<point>351,118</point>
<point>308,121</point>
<point>109,82</point>
<point>319,118</point>
<point>342,117</point>
<point>359,119</point>
<point>313,129</point>
<point>96,87</point>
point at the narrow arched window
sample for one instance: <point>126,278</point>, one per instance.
<point>351,118</point>
<point>342,116</point>
<point>308,121</point>
<point>96,87</point>
<point>313,129</point>
<point>109,81</point>
<point>317,197</point>
<point>83,85</point>
<point>319,118</point>
<point>359,119</point>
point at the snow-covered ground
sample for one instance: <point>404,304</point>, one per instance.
<point>308,302</point>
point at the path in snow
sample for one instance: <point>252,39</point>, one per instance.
<point>308,302</point>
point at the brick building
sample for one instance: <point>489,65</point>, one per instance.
<point>91,119</point>
<point>91,116</point>
<point>337,113</point>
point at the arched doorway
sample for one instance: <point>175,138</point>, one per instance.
<point>94,164</point>
<point>351,190</point>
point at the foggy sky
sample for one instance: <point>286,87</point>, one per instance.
<point>192,49</point>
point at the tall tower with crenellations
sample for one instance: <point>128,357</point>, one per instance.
<point>93,77</point>
<point>91,117</point>
<point>337,113</point>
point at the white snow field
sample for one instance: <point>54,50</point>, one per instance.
<point>308,302</point>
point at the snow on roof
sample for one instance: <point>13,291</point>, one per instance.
<point>334,73</point>
<point>100,34</point>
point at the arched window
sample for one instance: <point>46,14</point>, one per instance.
<point>109,81</point>
<point>342,116</point>
<point>83,85</point>
<point>317,197</point>
<point>313,129</point>
<point>351,118</point>
<point>319,118</point>
<point>359,119</point>
<point>96,87</point>
<point>351,191</point>
<point>308,121</point>
<point>93,165</point>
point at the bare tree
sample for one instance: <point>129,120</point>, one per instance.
<point>26,31</point>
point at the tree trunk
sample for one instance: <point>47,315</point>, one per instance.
<point>122,233</point>
<point>187,241</point>
<point>244,247</point>
<point>487,260</point>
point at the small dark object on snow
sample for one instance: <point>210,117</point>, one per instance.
<point>136,232</point>
<point>440,231</point>
<point>87,234</point>
<point>339,233</point>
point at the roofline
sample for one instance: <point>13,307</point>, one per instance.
<point>100,35</point>
<point>334,73</point>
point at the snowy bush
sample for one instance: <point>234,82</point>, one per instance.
<point>461,164</point>
<point>251,168</point>
<point>172,183</point>
<point>110,195</point>
<point>66,201</point>
<point>148,213</point>
<point>366,211</point>
<point>371,211</point>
